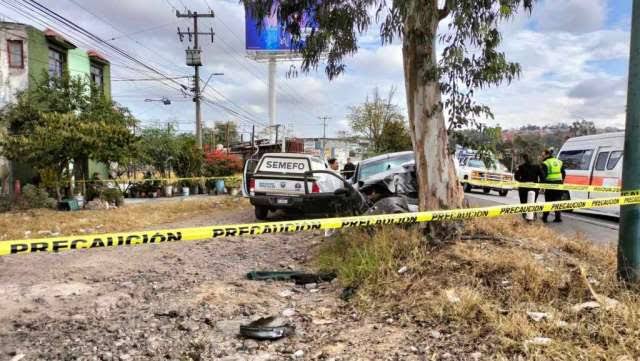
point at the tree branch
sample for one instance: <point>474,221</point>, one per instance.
<point>444,12</point>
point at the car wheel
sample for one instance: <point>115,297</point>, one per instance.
<point>503,193</point>
<point>261,213</point>
<point>486,190</point>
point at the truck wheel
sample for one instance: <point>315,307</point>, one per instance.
<point>486,190</point>
<point>261,213</point>
<point>503,192</point>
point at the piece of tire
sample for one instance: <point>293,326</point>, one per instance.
<point>486,190</point>
<point>261,213</point>
<point>503,193</point>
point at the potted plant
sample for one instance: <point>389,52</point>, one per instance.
<point>184,185</point>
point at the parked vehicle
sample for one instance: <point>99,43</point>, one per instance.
<point>472,168</point>
<point>594,160</point>
<point>300,184</point>
<point>379,164</point>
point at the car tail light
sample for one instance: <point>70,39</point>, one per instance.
<point>252,186</point>
<point>315,188</point>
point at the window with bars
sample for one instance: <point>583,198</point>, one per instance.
<point>16,55</point>
<point>56,63</point>
<point>97,76</point>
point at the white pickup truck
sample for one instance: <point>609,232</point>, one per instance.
<point>300,184</point>
<point>475,169</point>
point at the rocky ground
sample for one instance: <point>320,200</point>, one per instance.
<point>186,301</point>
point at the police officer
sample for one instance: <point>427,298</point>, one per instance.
<point>552,172</point>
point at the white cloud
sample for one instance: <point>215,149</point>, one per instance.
<point>573,16</point>
<point>557,48</point>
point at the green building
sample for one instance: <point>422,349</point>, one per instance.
<point>32,53</point>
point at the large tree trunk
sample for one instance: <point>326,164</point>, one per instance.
<point>437,180</point>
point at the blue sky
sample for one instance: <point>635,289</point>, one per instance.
<point>573,53</point>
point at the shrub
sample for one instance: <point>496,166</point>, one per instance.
<point>113,196</point>
<point>5,203</point>
<point>221,164</point>
<point>34,197</point>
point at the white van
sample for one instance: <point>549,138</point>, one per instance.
<point>594,160</point>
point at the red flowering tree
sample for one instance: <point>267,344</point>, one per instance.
<point>218,163</point>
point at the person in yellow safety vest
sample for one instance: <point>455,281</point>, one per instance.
<point>552,172</point>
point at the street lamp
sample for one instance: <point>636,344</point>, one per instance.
<point>164,100</point>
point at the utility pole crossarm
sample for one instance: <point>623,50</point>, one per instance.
<point>193,59</point>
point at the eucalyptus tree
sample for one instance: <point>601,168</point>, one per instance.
<point>437,87</point>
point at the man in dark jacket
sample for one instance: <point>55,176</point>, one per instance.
<point>553,172</point>
<point>527,172</point>
<point>349,168</point>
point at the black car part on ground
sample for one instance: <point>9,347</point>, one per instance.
<point>390,204</point>
<point>300,278</point>
<point>267,328</point>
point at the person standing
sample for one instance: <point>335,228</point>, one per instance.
<point>553,172</point>
<point>333,164</point>
<point>348,169</point>
<point>527,172</point>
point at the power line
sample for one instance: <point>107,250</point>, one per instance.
<point>23,10</point>
<point>44,10</point>
<point>151,79</point>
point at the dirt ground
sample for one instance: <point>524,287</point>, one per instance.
<point>185,301</point>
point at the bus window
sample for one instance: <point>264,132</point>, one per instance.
<point>613,160</point>
<point>601,161</point>
<point>576,159</point>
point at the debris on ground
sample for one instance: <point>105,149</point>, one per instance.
<point>348,292</point>
<point>300,278</point>
<point>267,328</point>
<point>539,316</point>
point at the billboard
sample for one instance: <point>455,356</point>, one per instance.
<point>272,36</point>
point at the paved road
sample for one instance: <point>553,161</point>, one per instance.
<point>600,230</point>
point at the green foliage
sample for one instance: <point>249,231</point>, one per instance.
<point>370,119</point>
<point>33,197</point>
<point>485,140</point>
<point>469,60</point>
<point>189,159</point>
<point>113,196</point>
<point>395,137</point>
<point>158,148</point>
<point>6,202</point>
<point>61,120</point>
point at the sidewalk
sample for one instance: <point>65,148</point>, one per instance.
<point>170,199</point>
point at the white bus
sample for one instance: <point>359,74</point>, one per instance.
<point>594,160</point>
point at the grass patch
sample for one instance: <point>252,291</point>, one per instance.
<point>40,223</point>
<point>483,294</point>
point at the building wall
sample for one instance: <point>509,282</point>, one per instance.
<point>78,64</point>
<point>38,54</point>
<point>107,80</point>
<point>12,80</point>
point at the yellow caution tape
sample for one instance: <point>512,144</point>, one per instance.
<point>566,187</point>
<point>136,180</point>
<point>64,243</point>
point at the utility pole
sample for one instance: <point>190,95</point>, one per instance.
<point>194,59</point>
<point>272,94</point>
<point>629,234</point>
<point>277,126</point>
<point>227,137</point>
<point>324,133</point>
